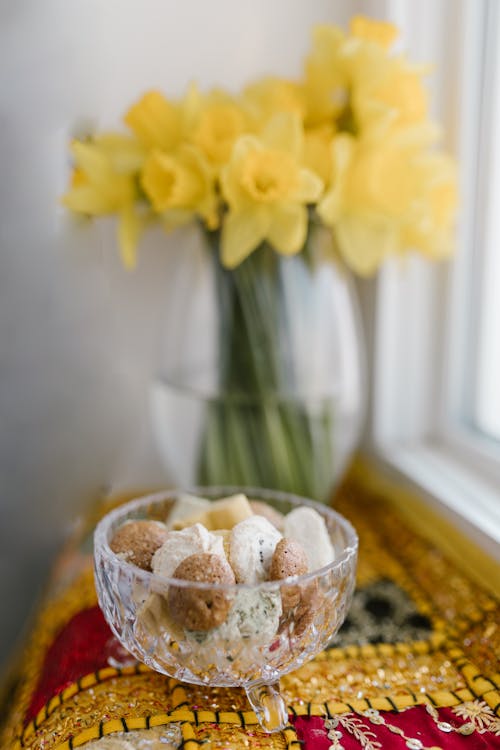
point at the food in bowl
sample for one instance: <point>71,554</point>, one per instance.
<point>229,588</point>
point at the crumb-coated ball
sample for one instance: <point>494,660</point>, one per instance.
<point>137,541</point>
<point>201,609</point>
<point>310,602</point>
<point>305,601</point>
<point>289,559</point>
<point>271,514</point>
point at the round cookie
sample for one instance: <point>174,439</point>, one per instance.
<point>201,609</point>
<point>267,511</point>
<point>137,541</point>
<point>310,602</point>
<point>289,559</point>
<point>305,602</point>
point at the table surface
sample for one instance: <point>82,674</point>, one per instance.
<point>416,664</point>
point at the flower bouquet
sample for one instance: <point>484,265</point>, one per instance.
<point>292,182</point>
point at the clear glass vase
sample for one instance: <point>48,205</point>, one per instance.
<point>261,377</point>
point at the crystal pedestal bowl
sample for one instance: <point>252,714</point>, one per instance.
<point>272,627</point>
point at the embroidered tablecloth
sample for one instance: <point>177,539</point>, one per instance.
<point>416,664</point>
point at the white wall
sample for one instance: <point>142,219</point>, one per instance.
<point>75,333</point>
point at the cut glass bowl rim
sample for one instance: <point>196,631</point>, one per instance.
<point>349,551</point>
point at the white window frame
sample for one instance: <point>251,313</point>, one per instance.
<point>417,339</point>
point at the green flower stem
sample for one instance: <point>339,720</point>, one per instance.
<point>263,432</point>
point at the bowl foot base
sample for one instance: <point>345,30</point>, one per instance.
<point>269,706</point>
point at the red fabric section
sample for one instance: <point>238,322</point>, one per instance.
<point>311,731</point>
<point>84,645</point>
<point>416,723</point>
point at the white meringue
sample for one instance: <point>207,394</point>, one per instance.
<point>306,526</point>
<point>181,544</point>
<point>251,547</point>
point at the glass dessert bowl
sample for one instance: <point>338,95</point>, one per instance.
<point>249,633</point>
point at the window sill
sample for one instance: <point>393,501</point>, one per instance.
<point>451,487</point>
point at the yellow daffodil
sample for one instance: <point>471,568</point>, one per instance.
<point>270,95</point>
<point>104,183</point>
<point>267,191</point>
<point>392,88</point>
<point>317,151</point>
<point>125,153</point>
<point>220,122</point>
<point>180,185</point>
<point>354,79</point>
<point>98,188</point>
<point>325,88</point>
<point>376,183</point>
<point>155,121</point>
<point>351,138</point>
<point>363,237</point>
<point>429,224</point>
<point>379,32</point>
<point>402,91</point>
<point>378,81</point>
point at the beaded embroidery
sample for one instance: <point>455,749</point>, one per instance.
<point>450,669</point>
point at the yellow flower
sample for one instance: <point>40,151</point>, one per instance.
<point>125,152</point>
<point>325,86</point>
<point>267,191</point>
<point>97,187</point>
<point>180,185</point>
<point>155,121</point>
<point>393,89</point>
<point>271,95</point>
<point>403,92</point>
<point>221,121</point>
<point>357,82</point>
<point>379,32</point>
<point>104,183</point>
<point>352,137</point>
<point>378,183</point>
<point>429,224</point>
<point>317,151</point>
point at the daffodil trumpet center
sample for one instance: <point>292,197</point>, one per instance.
<point>268,176</point>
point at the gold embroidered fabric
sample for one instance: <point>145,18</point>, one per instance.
<point>373,667</point>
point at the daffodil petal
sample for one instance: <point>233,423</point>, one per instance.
<point>309,188</point>
<point>155,121</point>
<point>284,133</point>
<point>343,146</point>
<point>191,105</point>
<point>330,207</point>
<point>288,228</point>
<point>230,181</point>
<point>91,160</point>
<point>269,95</point>
<point>126,153</point>
<point>85,199</point>
<point>242,232</point>
<point>365,243</point>
<point>379,32</point>
<point>245,145</point>
<point>129,227</point>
